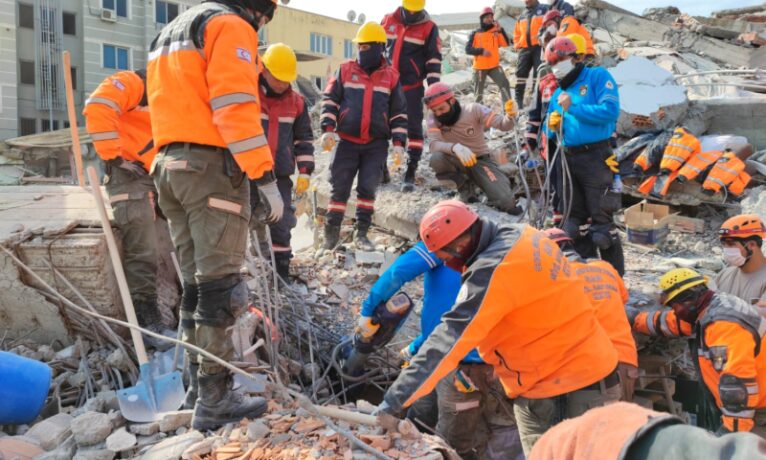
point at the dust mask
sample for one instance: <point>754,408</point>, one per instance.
<point>552,30</point>
<point>733,257</point>
<point>562,68</point>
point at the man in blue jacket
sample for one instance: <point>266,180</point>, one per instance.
<point>468,397</point>
<point>584,111</point>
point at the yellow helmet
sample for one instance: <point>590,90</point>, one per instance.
<point>414,5</point>
<point>370,32</point>
<point>281,61</point>
<point>677,281</point>
<point>579,42</point>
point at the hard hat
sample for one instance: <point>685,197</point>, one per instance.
<point>742,226</point>
<point>579,42</point>
<point>559,48</point>
<point>370,32</point>
<point>436,94</point>
<point>446,221</point>
<point>414,5</point>
<point>557,235</point>
<point>486,10</point>
<point>552,15</point>
<point>280,60</point>
<point>677,281</point>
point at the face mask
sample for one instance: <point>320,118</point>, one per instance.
<point>562,69</point>
<point>451,117</point>
<point>370,59</point>
<point>686,311</point>
<point>552,30</point>
<point>733,257</point>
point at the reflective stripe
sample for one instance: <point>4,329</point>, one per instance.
<point>365,204</point>
<point>681,146</point>
<point>105,136</point>
<point>533,123</point>
<point>185,45</point>
<point>382,89</point>
<point>303,142</point>
<point>716,181</point>
<point>664,325</point>
<point>391,37</point>
<point>426,256</point>
<point>747,413</point>
<point>400,130</point>
<point>434,61</point>
<point>416,41</point>
<point>332,103</point>
<point>264,116</point>
<point>118,198</point>
<point>728,170</point>
<point>673,157</point>
<point>434,130</point>
<point>416,143</point>
<point>752,389</point>
<point>229,99</point>
<point>433,75</point>
<point>224,205</point>
<point>650,323</point>
<point>330,116</point>
<point>353,85</point>
<point>693,168</point>
<point>490,117</point>
<point>304,158</point>
<point>248,144</point>
<point>177,165</point>
<point>278,248</point>
<point>336,207</point>
<point>401,115</point>
<point>102,100</point>
<point>287,119</point>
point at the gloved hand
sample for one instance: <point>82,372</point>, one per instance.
<point>386,419</point>
<point>328,141</point>
<point>463,383</point>
<point>464,154</point>
<point>365,327</point>
<point>133,168</point>
<point>510,108</point>
<point>405,357</point>
<point>302,184</point>
<point>632,313</point>
<point>272,200</point>
<point>398,155</point>
<point>554,121</point>
<point>612,163</point>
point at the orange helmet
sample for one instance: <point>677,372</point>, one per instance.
<point>446,221</point>
<point>742,226</point>
<point>557,235</point>
<point>436,94</point>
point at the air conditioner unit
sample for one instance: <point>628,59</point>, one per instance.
<point>108,15</point>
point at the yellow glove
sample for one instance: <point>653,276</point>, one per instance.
<point>398,154</point>
<point>302,184</point>
<point>465,155</point>
<point>463,383</point>
<point>612,163</point>
<point>510,108</point>
<point>328,141</point>
<point>365,327</point>
<point>554,121</point>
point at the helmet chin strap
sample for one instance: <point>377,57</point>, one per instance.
<point>748,251</point>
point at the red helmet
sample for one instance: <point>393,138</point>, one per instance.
<point>557,235</point>
<point>552,15</point>
<point>436,94</point>
<point>559,48</point>
<point>486,10</point>
<point>443,223</point>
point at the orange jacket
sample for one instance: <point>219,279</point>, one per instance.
<point>117,119</point>
<point>528,315</point>
<point>699,165</point>
<point>203,85</point>
<point>527,30</point>
<point>728,171</point>
<point>729,336</point>
<point>570,25</point>
<point>607,293</point>
<point>682,146</point>
<point>486,40</point>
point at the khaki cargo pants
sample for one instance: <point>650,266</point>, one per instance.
<point>132,203</point>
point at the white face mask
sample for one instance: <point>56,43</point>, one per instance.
<point>733,257</point>
<point>552,30</point>
<point>562,68</point>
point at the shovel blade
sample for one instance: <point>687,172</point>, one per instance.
<point>149,398</point>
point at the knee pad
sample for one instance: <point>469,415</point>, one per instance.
<point>189,300</point>
<point>576,231</point>
<point>221,301</point>
<point>602,237</point>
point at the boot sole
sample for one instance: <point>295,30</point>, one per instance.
<point>209,423</point>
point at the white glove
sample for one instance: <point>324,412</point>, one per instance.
<point>464,154</point>
<point>398,155</point>
<point>328,141</point>
<point>365,328</point>
<point>272,200</point>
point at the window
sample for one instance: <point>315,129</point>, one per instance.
<point>116,57</point>
<point>27,126</point>
<point>69,23</point>
<point>47,125</point>
<point>164,12</point>
<point>73,71</point>
<point>118,6</point>
<point>66,124</point>
<point>321,44</point>
<point>27,72</point>
<point>26,16</point>
<point>348,49</point>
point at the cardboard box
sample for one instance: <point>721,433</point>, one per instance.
<point>687,224</point>
<point>648,223</point>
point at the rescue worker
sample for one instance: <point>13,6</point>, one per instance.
<point>363,103</point>
<point>582,115</point>
<point>414,50</point>
<point>460,156</point>
<point>560,24</point>
<point>525,311</point>
<point>484,45</point>
<point>728,334</point>
<point>117,119</point>
<point>203,91</point>
<point>469,396</point>
<point>526,41</point>
<point>745,277</point>
<point>608,294</point>
<point>623,431</point>
<point>287,124</point>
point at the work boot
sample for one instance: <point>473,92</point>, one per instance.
<point>331,236</point>
<point>409,177</point>
<point>193,389</point>
<point>282,262</point>
<point>467,193</point>
<point>218,404</point>
<point>361,241</point>
<point>149,318</point>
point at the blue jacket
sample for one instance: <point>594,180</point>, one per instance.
<point>441,285</point>
<point>592,117</point>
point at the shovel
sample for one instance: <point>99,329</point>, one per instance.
<point>152,395</point>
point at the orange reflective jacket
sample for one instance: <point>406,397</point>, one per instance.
<point>682,146</point>
<point>607,293</point>
<point>570,25</point>
<point>490,40</point>
<point>203,85</point>
<point>117,119</point>
<point>726,171</point>
<point>729,335</point>
<point>699,164</point>
<point>527,30</point>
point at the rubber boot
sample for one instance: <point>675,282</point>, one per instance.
<point>282,262</point>
<point>361,241</point>
<point>192,392</point>
<point>218,404</point>
<point>409,177</point>
<point>331,236</point>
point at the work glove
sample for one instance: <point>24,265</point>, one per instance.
<point>632,313</point>
<point>465,155</point>
<point>463,383</point>
<point>398,154</point>
<point>385,417</point>
<point>612,163</point>
<point>365,328</point>
<point>328,141</point>
<point>510,108</point>
<point>302,184</point>
<point>554,121</point>
<point>133,168</point>
<point>405,356</point>
<point>272,201</point>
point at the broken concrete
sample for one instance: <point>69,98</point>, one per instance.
<point>91,428</point>
<point>52,431</point>
<point>172,448</point>
<point>120,441</point>
<point>171,421</point>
